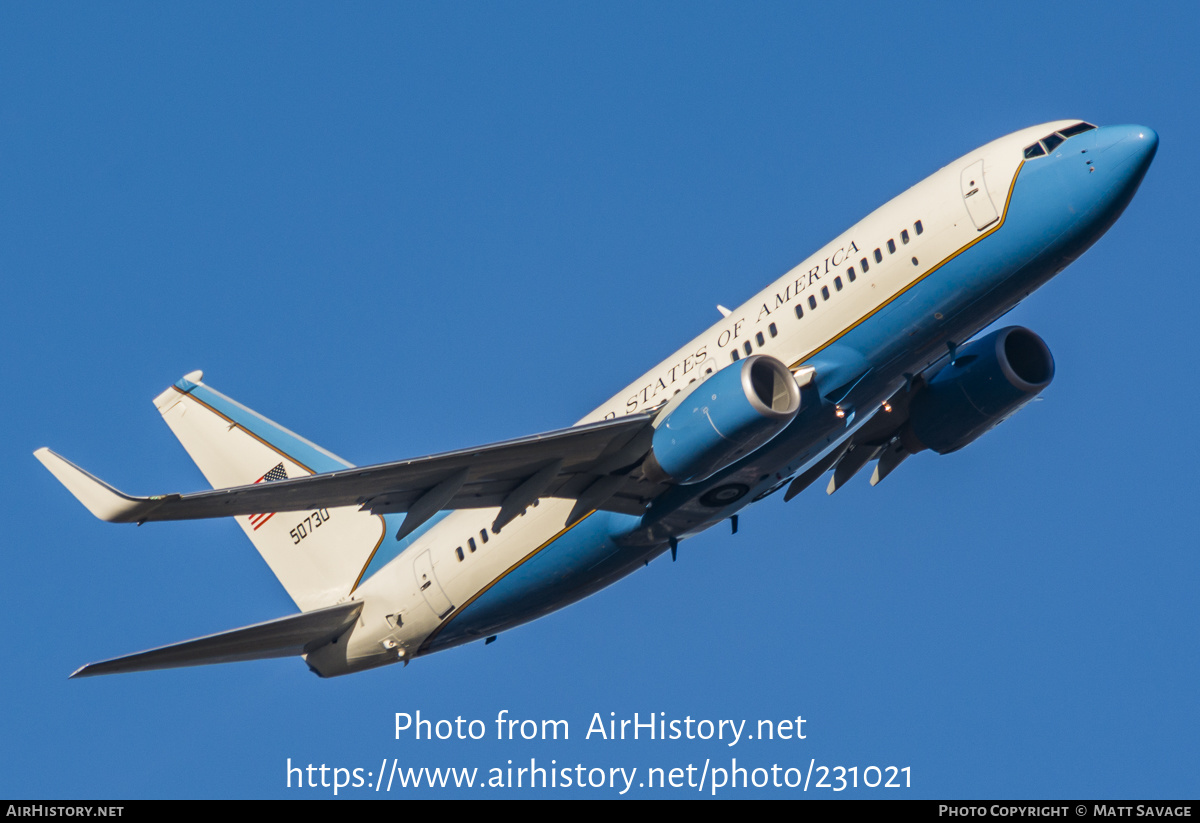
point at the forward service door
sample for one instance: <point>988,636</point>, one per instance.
<point>975,195</point>
<point>431,590</point>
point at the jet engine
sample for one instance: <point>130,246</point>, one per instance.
<point>728,416</point>
<point>988,380</point>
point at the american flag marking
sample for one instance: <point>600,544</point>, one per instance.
<point>277,473</point>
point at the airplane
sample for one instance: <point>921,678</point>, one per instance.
<point>863,352</point>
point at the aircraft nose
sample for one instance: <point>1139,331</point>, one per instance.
<point>1146,146</point>
<point>1130,148</point>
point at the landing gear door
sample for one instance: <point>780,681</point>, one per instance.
<point>975,195</point>
<point>431,590</point>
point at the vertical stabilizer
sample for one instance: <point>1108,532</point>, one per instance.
<point>318,555</point>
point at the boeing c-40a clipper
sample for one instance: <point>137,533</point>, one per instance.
<point>862,353</point>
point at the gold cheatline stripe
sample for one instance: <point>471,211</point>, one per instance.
<point>370,556</point>
<point>290,458</point>
<point>425,643</point>
<point>564,530</point>
<point>893,298</point>
<point>243,428</point>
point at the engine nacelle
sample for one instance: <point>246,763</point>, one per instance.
<point>989,380</point>
<point>726,417</point>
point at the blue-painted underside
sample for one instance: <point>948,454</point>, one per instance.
<point>585,558</point>
<point>1058,208</point>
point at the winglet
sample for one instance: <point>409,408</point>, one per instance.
<point>100,498</point>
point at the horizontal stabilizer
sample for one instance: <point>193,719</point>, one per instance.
<point>285,637</point>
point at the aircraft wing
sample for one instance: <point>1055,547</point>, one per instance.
<point>583,463</point>
<point>877,438</point>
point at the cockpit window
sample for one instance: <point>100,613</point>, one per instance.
<point>1078,128</point>
<point>1050,142</point>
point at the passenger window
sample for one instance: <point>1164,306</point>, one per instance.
<point>850,273</point>
<point>471,543</point>
<point>864,265</point>
<point>734,356</point>
<point>824,292</point>
<point>891,246</point>
<point>799,311</point>
<point>759,337</point>
<point>774,331</point>
<point>458,551</point>
<point>917,225</point>
<point>878,256</point>
<point>812,302</point>
<point>837,282</point>
<point>483,535</point>
<point>904,237</point>
<point>747,347</point>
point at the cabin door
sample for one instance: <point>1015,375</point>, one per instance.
<point>975,195</point>
<point>431,590</point>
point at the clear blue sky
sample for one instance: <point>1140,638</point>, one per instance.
<point>399,229</point>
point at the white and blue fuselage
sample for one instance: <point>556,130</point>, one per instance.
<point>885,300</point>
<point>863,352</point>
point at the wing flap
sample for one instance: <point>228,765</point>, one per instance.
<point>284,637</point>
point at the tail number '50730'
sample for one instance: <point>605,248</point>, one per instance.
<point>309,524</point>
